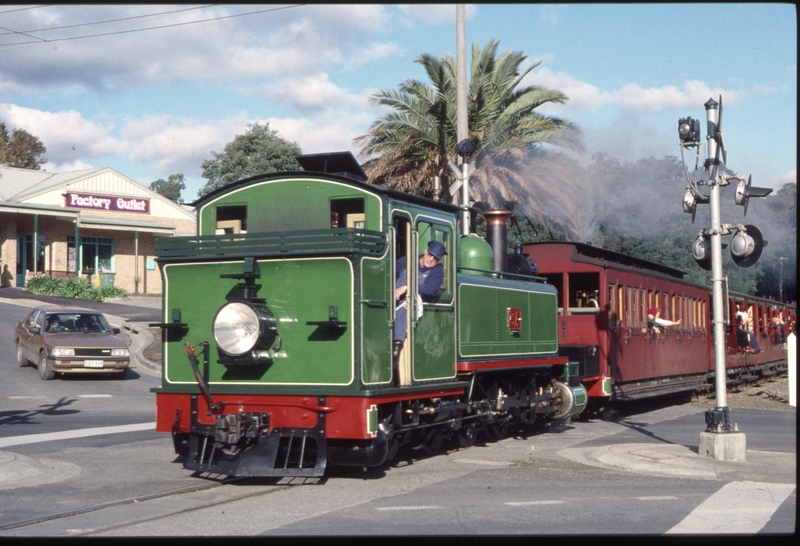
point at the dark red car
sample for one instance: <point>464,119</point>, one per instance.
<point>70,340</point>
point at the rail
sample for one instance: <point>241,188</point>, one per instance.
<point>317,242</point>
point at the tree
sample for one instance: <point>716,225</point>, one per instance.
<point>414,141</point>
<point>258,151</point>
<point>21,149</point>
<point>170,188</point>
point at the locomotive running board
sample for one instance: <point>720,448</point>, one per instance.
<point>285,452</point>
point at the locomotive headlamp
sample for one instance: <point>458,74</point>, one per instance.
<point>242,327</point>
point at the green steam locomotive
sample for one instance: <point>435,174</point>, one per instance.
<point>279,319</point>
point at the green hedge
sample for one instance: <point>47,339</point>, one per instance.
<point>72,287</point>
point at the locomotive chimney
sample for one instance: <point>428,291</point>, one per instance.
<point>497,235</point>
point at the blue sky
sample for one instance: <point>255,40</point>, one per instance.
<point>157,102</point>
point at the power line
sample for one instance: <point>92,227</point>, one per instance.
<point>42,40</point>
<point>25,9</point>
<point>102,22</point>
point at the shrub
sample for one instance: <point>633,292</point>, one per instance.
<point>72,287</point>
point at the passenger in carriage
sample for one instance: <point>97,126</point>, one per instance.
<point>779,328</point>
<point>656,323</point>
<point>745,339</point>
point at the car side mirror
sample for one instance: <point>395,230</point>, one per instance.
<point>116,330</point>
<point>35,330</point>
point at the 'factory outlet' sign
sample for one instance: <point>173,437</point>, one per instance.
<point>108,202</point>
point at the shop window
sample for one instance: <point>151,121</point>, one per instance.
<point>231,219</point>
<point>584,293</point>
<point>348,213</point>
<point>97,255</point>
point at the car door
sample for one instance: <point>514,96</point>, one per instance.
<point>26,338</point>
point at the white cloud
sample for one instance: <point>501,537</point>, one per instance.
<point>588,97</point>
<point>69,166</point>
<point>786,178</point>
<point>312,91</point>
<point>433,14</point>
<point>373,52</point>
<point>289,42</point>
<point>551,14</point>
<point>175,144</point>
<point>66,134</point>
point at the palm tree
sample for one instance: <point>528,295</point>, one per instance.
<point>413,142</point>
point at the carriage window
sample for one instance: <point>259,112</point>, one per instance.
<point>628,307</point>
<point>231,219</point>
<point>348,213</point>
<point>584,293</point>
<point>611,307</point>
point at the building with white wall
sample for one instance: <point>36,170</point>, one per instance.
<point>115,220</point>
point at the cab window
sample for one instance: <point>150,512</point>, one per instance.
<point>430,231</point>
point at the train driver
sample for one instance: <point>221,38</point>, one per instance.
<point>429,280</point>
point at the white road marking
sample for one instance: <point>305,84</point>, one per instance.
<point>737,508</point>
<point>533,503</point>
<point>26,397</point>
<point>387,508</point>
<point>94,396</point>
<point>666,497</point>
<point>484,462</point>
<point>70,434</point>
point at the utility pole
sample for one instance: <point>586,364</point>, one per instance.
<point>463,120</point>
<point>718,440</point>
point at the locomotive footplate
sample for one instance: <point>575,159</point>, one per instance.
<point>242,445</point>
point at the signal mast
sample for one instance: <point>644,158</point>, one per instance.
<point>718,440</point>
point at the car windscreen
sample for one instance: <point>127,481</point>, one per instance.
<point>76,323</point>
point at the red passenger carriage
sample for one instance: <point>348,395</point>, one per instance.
<point>604,299</point>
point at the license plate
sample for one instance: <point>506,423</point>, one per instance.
<point>93,364</point>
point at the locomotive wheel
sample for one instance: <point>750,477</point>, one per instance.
<point>498,430</point>
<point>394,447</point>
<point>181,442</point>
<point>432,444</point>
<point>467,436</point>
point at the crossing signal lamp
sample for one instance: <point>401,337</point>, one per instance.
<point>747,245</point>
<point>701,251</point>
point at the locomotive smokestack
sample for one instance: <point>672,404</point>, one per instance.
<point>497,235</point>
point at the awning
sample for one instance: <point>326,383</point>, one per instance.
<point>121,225</point>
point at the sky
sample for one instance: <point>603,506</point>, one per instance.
<point>153,90</point>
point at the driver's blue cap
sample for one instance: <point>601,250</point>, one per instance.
<point>437,249</point>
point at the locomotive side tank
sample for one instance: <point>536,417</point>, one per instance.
<point>278,321</point>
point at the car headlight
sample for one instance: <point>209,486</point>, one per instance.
<point>62,351</point>
<point>120,352</point>
<point>241,327</point>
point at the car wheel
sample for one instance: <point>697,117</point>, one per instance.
<point>45,372</point>
<point>21,360</point>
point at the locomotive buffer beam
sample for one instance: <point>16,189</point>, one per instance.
<point>241,444</point>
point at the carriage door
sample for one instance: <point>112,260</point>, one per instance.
<point>433,323</point>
